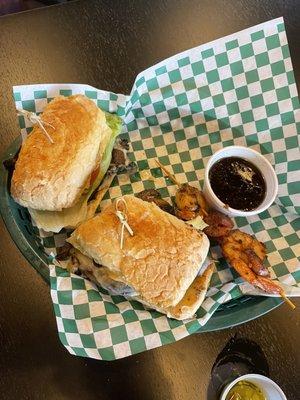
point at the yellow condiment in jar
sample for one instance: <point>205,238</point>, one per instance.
<point>245,390</point>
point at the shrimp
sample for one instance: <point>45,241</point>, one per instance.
<point>246,255</point>
<point>256,263</point>
<point>219,224</point>
<point>190,202</point>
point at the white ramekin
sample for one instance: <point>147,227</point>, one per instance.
<point>270,389</point>
<point>260,162</point>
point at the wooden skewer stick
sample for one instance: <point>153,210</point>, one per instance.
<point>169,175</point>
<point>174,180</point>
<point>287,300</point>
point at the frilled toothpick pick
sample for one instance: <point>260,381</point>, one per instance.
<point>121,213</point>
<point>35,119</point>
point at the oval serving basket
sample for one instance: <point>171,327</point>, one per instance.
<point>25,236</point>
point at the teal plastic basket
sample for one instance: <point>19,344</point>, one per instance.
<point>18,223</point>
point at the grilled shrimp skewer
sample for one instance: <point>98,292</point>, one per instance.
<point>246,255</point>
<point>190,203</point>
<point>242,251</point>
<point>189,200</point>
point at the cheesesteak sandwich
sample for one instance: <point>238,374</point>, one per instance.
<point>55,178</point>
<point>135,249</point>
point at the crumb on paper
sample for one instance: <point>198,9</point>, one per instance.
<point>123,178</point>
<point>146,175</point>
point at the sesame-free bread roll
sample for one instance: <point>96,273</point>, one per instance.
<point>186,308</point>
<point>160,261</point>
<point>191,301</point>
<point>52,176</point>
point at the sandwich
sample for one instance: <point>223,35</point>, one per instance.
<point>156,260</point>
<point>55,179</point>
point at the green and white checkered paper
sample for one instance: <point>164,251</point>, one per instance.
<point>238,90</point>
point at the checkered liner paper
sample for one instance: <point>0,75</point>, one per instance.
<point>238,90</point>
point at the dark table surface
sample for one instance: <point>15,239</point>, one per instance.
<point>105,44</point>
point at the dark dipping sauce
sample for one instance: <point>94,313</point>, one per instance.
<point>237,183</point>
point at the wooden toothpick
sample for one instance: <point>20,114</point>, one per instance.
<point>35,119</point>
<point>287,300</point>
<point>169,175</point>
<point>122,215</point>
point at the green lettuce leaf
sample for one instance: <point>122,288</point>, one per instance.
<point>115,124</point>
